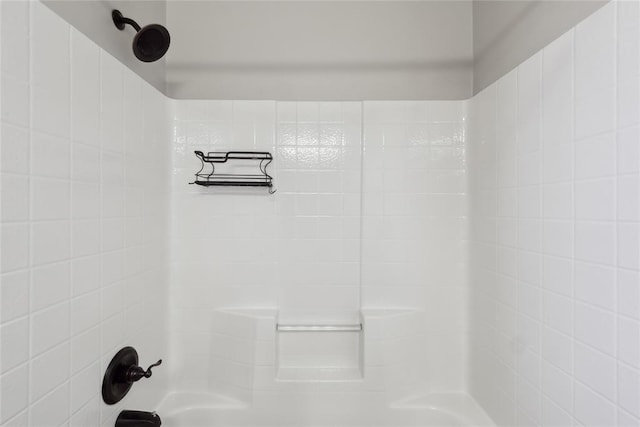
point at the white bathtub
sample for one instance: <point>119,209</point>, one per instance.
<point>321,409</point>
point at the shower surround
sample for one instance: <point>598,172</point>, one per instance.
<point>489,247</point>
<point>368,225</point>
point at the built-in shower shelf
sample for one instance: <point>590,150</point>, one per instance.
<point>234,169</point>
<point>319,374</point>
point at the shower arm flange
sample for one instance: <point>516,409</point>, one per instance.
<point>120,21</point>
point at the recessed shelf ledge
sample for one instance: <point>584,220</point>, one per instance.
<point>319,328</point>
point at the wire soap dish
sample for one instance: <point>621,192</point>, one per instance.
<point>227,169</point>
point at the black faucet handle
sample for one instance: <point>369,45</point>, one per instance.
<point>148,372</point>
<point>136,373</point>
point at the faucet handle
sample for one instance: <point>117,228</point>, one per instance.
<point>148,372</point>
<point>135,373</point>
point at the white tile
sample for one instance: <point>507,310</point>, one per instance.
<point>85,349</point>
<point>628,197</point>
<point>84,385</point>
<point>628,350</point>
<point>85,312</point>
<point>557,349</point>
<point>529,104</point>
<point>85,200</point>
<point>50,284</point>
<point>595,73</point>
<point>15,343</point>
<point>15,100</point>
<point>558,385</point>
<point>14,396</point>
<point>558,275</point>
<point>626,420</point>
<point>628,105</point>
<point>53,409</point>
<point>50,155</point>
<point>14,295</point>
<point>111,101</point>
<point>85,163</point>
<point>595,327</point>
<point>15,149</point>
<point>557,201</point>
<point>49,328</point>
<point>50,69</point>
<point>558,312</point>
<point>85,237</point>
<point>20,420</point>
<point>595,242</point>
<point>557,96</point>
<point>15,27</point>
<point>629,390</point>
<point>83,275</point>
<point>50,199</point>
<point>529,169</point>
<point>553,415</point>
<point>113,234</point>
<point>529,400</point>
<point>595,200</point>
<point>50,242</point>
<point>596,157</point>
<point>628,150</point>
<point>629,293</point>
<point>595,285</point>
<point>88,415</point>
<point>595,370</point>
<point>591,408</point>
<point>629,246</point>
<point>85,89</point>
<point>558,238</point>
<point>15,246</point>
<point>14,190</point>
<point>45,378</point>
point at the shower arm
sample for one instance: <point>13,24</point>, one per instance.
<point>120,21</point>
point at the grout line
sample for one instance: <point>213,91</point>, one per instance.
<point>615,210</point>
<point>30,32</point>
<point>573,217</point>
<point>362,196</point>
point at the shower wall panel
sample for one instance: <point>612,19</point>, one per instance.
<point>414,228</point>
<point>84,221</point>
<point>555,220</point>
<point>350,227</point>
<point>297,250</point>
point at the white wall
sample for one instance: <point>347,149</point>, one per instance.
<point>340,51</point>
<point>555,220</point>
<point>505,33</point>
<point>84,217</point>
<point>320,51</point>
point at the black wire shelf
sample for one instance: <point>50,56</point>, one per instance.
<point>208,176</point>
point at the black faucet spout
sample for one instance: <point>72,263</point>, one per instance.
<point>138,419</point>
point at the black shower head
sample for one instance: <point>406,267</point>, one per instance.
<point>150,42</point>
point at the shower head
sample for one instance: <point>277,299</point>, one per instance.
<point>150,42</point>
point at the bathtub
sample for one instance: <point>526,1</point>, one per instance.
<point>262,368</point>
<point>185,409</point>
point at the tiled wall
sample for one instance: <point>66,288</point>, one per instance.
<point>554,172</point>
<point>304,248</point>
<point>84,189</point>
<point>295,250</point>
<point>414,226</point>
